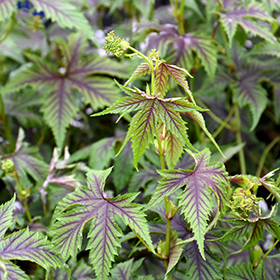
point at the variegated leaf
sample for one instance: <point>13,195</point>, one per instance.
<point>88,205</point>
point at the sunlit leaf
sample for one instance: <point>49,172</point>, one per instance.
<point>196,199</point>
<point>7,7</point>
<point>88,205</point>
<point>65,14</point>
<point>6,213</point>
<point>12,272</point>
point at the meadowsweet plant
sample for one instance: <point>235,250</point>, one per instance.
<point>139,140</point>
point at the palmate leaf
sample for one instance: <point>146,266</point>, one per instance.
<point>197,267</point>
<point>59,106</point>
<point>243,17</point>
<point>7,7</point>
<point>154,112</point>
<point>196,200</point>
<point>88,204</point>
<point>252,230</point>
<point>65,14</point>
<point>182,47</point>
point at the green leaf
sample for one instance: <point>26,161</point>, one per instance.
<point>243,17</point>
<point>174,150</point>
<point>6,214</point>
<point>88,205</point>
<point>7,7</point>
<point>175,251</point>
<point>27,160</point>
<point>29,246</point>
<point>142,70</point>
<point>59,106</point>
<point>145,7</point>
<point>266,48</point>
<point>65,14</point>
<point>11,271</point>
<point>245,271</point>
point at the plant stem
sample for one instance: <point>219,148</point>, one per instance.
<point>272,247</point>
<point>213,116</point>
<point>9,29</point>
<point>216,24</point>
<point>21,198</point>
<point>180,18</point>
<point>250,249</point>
<point>6,126</point>
<point>264,155</point>
<point>150,63</point>
<point>161,155</point>
<point>221,127</point>
<point>239,140</point>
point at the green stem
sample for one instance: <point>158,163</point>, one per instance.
<point>6,126</point>
<point>239,140</point>
<point>21,198</point>
<point>150,63</point>
<point>225,122</point>
<point>181,27</point>
<point>225,269</point>
<point>167,242</point>
<point>264,155</point>
<point>250,249</point>
<point>275,243</point>
<point>9,29</point>
<point>213,116</point>
<point>161,155</point>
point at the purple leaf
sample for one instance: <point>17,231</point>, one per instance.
<point>243,17</point>
<point>88,204</point>
<point>125,270</point>
<point>29,246</point>
<point>180,48</point>
<point>196,199</point>
<point>197,267</point>
<point>245,271</point>
<point>59,106</point>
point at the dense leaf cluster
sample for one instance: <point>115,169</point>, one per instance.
<point>177,177</point>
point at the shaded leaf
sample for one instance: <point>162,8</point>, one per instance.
<point>125,270</point>
<point>59,106</point>
<point>180,48</point>
<point>197,267</point>
<point>27,160</point>
<point>88,204</point>
<point>243,17</point>
<point>245,271</point>
<point>145,7</point>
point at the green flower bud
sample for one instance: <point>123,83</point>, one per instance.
<point>8,166</point>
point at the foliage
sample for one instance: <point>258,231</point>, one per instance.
<point>155,156</point>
